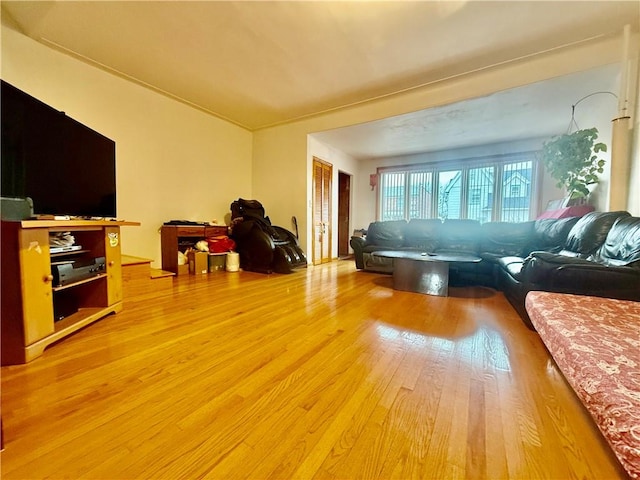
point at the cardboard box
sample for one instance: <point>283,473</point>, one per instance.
<point>183,269</point>
<point>198,262</point>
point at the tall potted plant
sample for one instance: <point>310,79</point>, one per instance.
<point>573,161</point>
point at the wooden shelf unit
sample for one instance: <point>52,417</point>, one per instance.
<point>173,235</point>
<point>29,300</point>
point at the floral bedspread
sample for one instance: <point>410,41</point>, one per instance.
<point>596,344</point>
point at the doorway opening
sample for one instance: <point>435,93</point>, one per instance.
<point>344,213</point>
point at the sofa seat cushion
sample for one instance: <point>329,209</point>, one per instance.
<point>489,257</point>
<point>373,263</point>
<point>513,265</point>
<point>558,273</point>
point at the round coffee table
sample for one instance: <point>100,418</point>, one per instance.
<point>423,272</point>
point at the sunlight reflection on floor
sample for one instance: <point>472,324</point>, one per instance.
<point>484,347</point>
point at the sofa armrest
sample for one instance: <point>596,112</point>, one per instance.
<point>559,273</point>
<point>286,235</point>
<point>358,243</point>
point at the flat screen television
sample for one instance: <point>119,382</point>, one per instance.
<point>65,167</point>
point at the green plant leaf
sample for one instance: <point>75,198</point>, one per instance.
<point>599,147</point>
<point>573,161</point>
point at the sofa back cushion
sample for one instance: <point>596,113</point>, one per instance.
<point>622,245</point>
<point>550,234</point>
<point>586,236</point>
<point>505,239</point>
<point>423,234</point>
<point>462,236</point>
<point>388,234</point>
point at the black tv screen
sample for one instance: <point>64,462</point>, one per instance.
<point>65,167</point>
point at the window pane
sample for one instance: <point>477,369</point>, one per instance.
<point>449,194</point>
<point>420,189</point>
<point>516,191</point>
<point>498,190</point>
<point>392,194</point>
<point>480,193</point>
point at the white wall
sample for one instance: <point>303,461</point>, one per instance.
<point>634,180</point>
<point>634,190</point>
<point>599,111</point>
<point>172,161</point>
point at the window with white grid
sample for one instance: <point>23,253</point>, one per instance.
<point>498,188</point>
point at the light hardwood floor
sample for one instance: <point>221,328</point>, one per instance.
<point>322,374</point>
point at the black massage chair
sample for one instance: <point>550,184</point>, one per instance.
<point>263,247</point>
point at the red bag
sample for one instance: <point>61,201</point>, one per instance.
<point>221,244</point>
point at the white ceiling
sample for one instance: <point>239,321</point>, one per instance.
<point>263,63</point>
<point>537,110</point>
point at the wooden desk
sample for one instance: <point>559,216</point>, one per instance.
<point>176,238</point>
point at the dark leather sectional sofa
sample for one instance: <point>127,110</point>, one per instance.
<point>597,254</point>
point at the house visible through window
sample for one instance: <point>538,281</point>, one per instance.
<point>475,196</point>
<point>495,188</point>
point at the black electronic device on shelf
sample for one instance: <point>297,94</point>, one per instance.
<point>65,167</point>
<point>73,271</point>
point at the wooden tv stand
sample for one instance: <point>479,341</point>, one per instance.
<point>31,303</point>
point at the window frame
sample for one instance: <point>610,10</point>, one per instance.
<point>433,169</point>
